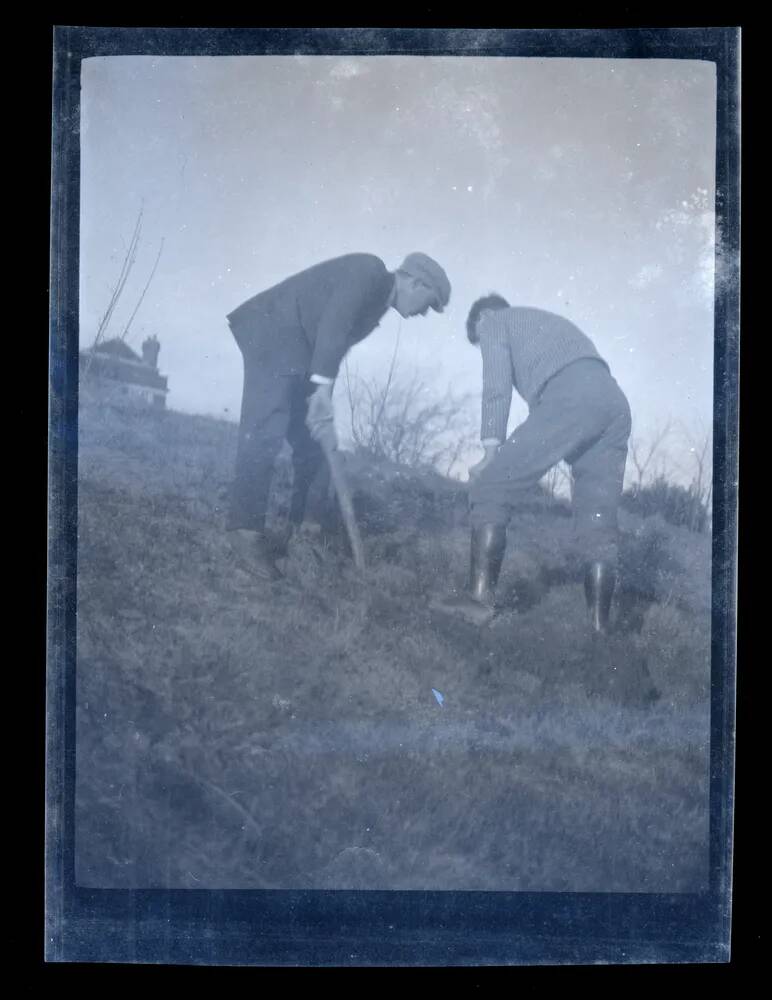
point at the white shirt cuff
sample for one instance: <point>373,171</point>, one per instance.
<point>321,380</point>
<point>489,442</point>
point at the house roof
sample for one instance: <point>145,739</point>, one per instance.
<point>122,370</point>
<point>118,349</point>
<point>114,359</point>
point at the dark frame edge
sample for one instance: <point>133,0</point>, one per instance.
<point>62,501</point>
<point>726,480</point>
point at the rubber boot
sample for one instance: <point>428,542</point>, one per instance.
<point>599,583</point>
<point>486,555</point>
<point>485,558</point>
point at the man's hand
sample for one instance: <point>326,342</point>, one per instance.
<point>320,418</point>
<point>490,454</point>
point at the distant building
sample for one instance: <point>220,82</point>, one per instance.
<point>120,375</point>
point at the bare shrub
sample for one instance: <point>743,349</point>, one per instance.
<point>402,420</point>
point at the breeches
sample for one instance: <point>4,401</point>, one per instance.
<point>583,418</point>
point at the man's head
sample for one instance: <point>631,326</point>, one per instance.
<point>420,285</point>
<point>488,303</point>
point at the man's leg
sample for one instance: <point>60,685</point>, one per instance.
<point>569,417</point>
<point>307,455</point>
<point>265,410</point>
<point>598,482</point>
<point>559,424</point>
<point>265,413</point>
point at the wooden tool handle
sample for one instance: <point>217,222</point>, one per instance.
<point>346,504</point>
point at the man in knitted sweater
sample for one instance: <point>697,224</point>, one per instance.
<point>293,338</point>
<point>577,413</point>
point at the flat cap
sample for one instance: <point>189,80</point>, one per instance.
<point>423,267</point>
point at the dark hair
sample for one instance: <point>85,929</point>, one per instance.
<point>492,301</point>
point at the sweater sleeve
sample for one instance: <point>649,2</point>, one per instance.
<point>497,378</point>
<point>336,324</point>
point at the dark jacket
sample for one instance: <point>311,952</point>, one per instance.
<point>307,323</point>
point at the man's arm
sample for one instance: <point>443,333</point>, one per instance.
<point>333,337</point>
<point>320,416</point>
<point>497,379</point>
<point>336,325</point>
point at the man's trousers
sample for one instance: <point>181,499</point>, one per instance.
<point>273,409</point>
<point>581,417</point>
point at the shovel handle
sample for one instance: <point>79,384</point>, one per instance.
<point>346,505</point>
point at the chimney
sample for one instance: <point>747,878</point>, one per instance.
<point>150,349</point>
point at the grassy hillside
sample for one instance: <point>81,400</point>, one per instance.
<point>236,734</point>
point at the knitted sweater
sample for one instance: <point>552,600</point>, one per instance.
<point>308,322</point>
<point>525,348</point>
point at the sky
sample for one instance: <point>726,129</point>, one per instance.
<point>581,186</point>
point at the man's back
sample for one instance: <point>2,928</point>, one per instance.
<point>302,298</point>
<point>540,344</point>
<point>308,321</point>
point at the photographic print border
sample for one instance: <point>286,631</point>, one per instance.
<point>341,927</point>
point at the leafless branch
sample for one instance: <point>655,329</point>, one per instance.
<point>144,290</point>
<point>643,454</point>
<point>700,443</point>
<point>389,378</point>
<point>400,421</point>
<point>126,266</point>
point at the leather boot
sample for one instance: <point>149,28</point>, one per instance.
<point>599,583</point>
<point>486,555</point>
<point>255,553</point>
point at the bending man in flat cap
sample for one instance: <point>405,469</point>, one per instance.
<point>293,338</point>
<point>577,413</point>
